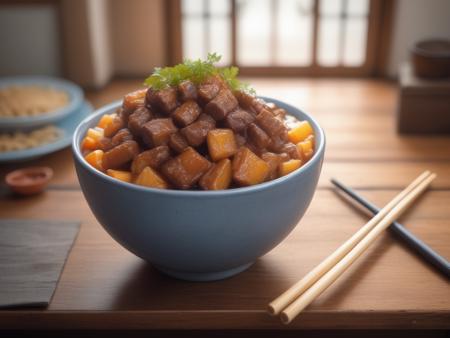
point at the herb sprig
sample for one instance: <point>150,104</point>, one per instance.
<point>196,71</point>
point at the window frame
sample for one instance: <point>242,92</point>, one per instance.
<point>378,41</point>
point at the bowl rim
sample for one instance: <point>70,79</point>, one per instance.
<point>74,92</point>
<point>87,123</point>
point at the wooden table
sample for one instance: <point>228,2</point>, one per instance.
<point>105,287</point>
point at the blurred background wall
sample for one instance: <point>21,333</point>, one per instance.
<point>22,27</point>
<point>90,41</point>
<point>139,36</point>
<point>416,20</point>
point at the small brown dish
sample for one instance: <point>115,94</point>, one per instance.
<point>29,181</point>
<point>431,58</point>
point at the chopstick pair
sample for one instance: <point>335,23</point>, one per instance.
<point>301,294</point>
<point>413,242</point>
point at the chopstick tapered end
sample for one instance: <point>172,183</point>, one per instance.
<point>334,181</point>
<point>285,318</point>
<point>271,310</point>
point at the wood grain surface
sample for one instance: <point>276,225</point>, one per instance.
<point>105,287</point>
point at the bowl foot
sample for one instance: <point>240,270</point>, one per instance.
<point>203,276</point>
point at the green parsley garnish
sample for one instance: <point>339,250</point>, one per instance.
<point>196,71</point>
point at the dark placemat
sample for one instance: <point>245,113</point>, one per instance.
<point>32,255</point>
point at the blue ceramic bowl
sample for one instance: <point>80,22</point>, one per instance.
<point>199,235</point>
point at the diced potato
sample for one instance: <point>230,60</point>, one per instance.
<point>306,148</point>
<point>221,144</point>
<point>95,159</point>
<point>273,160</point>
<point>96,133</point>
<point>132,100</point>
<point>89,143</point>
<point>92,139</point>
<point>121,175</point>
<point>249,169</point>
<point>218,177</point>
<point>300,132</point>
<point>115,125</point>
<point>105,120</point>
<point>150,178</point>
<point>312,139</point>
<point>287,167</point>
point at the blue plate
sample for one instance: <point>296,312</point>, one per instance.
<point>68,126</point>
<point>75,93</point>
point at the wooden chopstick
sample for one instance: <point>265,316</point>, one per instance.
<point>415,243</point>
<point>277,305</point>
<point>288,314</point>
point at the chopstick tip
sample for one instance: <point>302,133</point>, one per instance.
<point>335,182</point>
<point>285,318</point>
<point>271,310</point>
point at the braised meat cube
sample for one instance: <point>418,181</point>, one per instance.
<point>150,158</point>
<point>137,120</point>
<point>177,142</point>
<point>250,102</point>
<point>196,132</point>
<point>240,140</point>
<point>112,128</point>
<point>134,99</point>
<point>218,177</point>
<point>292,150</point>
<point>124,114</point>
<point>120,155</point>
<point>187,113</point>
<point>257,136</point>
<point>157,132</point>
<point>121,136</point>
<point>207,120</point>
<point>258,105</point>
<point>284,157</point>
<point>238,120</point>
<point>209,88</point>
<point>273,160</point>
<point>164,100</point>
<point>277,143</point>
<point>105,143</point>
<point>187,91</point>
<point>245,100</point>
<point>279,112</point>
<point>249,169</point>
<point>185,170</point>
<point>221,144</point>
<point>270,124</point>
<point>256,150</point>
<point>221,105</point>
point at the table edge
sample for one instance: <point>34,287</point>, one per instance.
<point>252,319</point>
